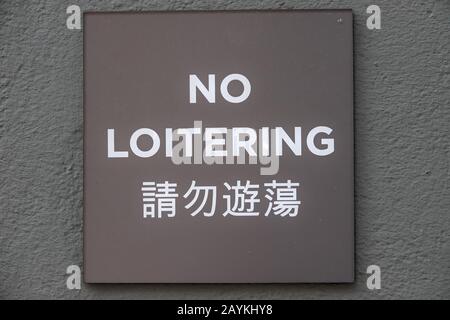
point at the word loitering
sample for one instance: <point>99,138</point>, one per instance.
<point>222,145</point>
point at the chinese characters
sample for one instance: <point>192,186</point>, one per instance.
<point>241,199</point>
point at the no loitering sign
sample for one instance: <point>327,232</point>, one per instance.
<point>218,147</point>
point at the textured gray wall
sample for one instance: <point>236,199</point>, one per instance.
<point>402,119</point>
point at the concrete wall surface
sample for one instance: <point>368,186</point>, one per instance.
<point>402,152</point>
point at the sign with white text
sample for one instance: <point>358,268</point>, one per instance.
<point>218,147</point>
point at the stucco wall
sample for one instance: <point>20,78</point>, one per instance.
<point>402,146</point>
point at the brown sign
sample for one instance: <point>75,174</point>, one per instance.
<point>218,147</point>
